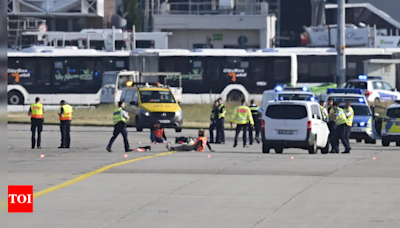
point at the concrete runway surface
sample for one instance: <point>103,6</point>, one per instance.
<point>234,187</point>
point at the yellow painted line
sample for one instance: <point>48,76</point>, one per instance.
<point>87,175</point>
<point>82,177</point>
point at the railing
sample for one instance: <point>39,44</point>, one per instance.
<point>213,8</point>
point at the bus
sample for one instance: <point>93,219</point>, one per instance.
<point>76,75</point>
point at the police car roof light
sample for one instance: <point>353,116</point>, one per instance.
<point>355,91</point>
<point>361,100</point>
<point>278,88</point>
<point>312,98</point>
<point>362,77</point>
<point>305,89</point>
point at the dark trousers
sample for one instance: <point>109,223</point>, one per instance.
<point>119,128</point>
<point>348,133</point>
<point>213,125</point>
<point>332,136</point>
<point>257,128</point>
<point>341,133</point>
<point>36,124</point>
<point>240,127</point>
<point>65,127</point>
<point>220,130</point>
<point>154,138</point>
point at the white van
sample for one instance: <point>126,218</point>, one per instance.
<point>294,124</point>
<point>280,93</point>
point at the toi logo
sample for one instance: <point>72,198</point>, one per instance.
<point>20,198</point>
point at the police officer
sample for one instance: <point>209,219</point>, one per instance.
<point>213,120</point>
<point>36,112</point>
<point>221,122</point>
<point>242,117</point>
<point>120,117</point>
<point>324,111</point>
<point>255,112</point>
<point>331,125</point>
<point>350,116</point>
<point>339,117</point>
<point>65,124</point>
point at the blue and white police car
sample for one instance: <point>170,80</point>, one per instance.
<point>375,89</point>
<point>343,95</point>
<point>281,93</point>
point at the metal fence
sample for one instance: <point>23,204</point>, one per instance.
<point>144,62</point>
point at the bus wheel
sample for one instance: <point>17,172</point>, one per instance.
<point>235,96</point>
<point>15,98</point>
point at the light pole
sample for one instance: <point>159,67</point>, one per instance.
<point>340,45</point>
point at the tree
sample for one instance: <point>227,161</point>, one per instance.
<point>133,14</point>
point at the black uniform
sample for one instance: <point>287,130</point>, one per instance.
<point>65,128</point>
<point>257,123</point>
<point>36,124</point>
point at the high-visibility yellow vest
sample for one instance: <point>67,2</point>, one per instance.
<point>351,117</point>
<point>221,114</point>
<point>118,116</point>
<point>212,113</point>
<point>67,114</point>
<point>37,111</point>
<point>242,115</point>
<point>323,112</point>
<point>342,118</point>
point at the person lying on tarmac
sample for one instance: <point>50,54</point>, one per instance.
<point>157,133</point>
<point>198,146</point>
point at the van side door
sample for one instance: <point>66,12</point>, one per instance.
<point>378,113</point>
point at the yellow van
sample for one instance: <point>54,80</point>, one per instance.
<point>148,103</point>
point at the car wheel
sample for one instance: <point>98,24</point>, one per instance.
<point>178,129</point>
<point>15,98</point>
<point>325,150</point>
<point>373,141</point>
<point>385,141</point>
<point>397,143</point>
<point>313,149</point>
<point>278,150</point>
<point>359,140</point>
<point>138,126</point>
<point>265,148</point>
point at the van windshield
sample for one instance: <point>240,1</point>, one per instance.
<point>157,97</point>
<point>293,112</point>
<point>393,112</point>
<point>109,79</point>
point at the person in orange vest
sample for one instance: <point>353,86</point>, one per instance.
<point>157,133</point>
<point>36,112</point>
<point>65,124</point>
<point>198,146</point>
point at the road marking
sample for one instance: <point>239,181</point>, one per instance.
<point>3,203</point>
<point>87,175</point>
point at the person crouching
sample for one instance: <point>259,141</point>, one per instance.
<point>198,146</point>
<point>157,134</point>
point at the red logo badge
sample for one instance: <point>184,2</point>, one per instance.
<point>20,198</point>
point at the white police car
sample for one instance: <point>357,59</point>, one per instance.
<point>374,88</point>
<point>343,95</point>
<point>280,93</point>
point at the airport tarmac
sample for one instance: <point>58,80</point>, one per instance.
<point>86,186</point>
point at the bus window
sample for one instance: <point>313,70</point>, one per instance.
<point>213,70</point>
<point>282,70</point>
<point>90,78</point>
<point>319,71</point>
<point>22,71</point>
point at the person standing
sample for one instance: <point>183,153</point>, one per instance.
<point>255,112</point>
<point>221,122</point>
<point>242,117</point>
<point>350,116</point>
<point>339,117</point>
<point>36,112</point>
<point>213,120</point>
<point>65,124</point>
<point>119,119</point>
<point>324,111</point>
<point>331,125</point>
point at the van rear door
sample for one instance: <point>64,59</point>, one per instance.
<point>286,122</point>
